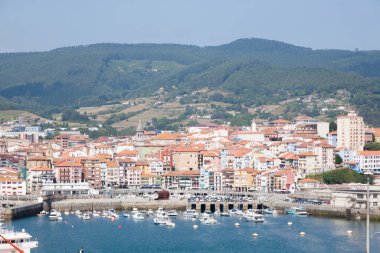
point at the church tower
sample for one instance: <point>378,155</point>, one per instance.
<point>139,132</point>
<point>253,126</point>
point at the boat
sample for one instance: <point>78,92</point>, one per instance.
<point>226,214</point>
<point>22,240</point>
<point>96,214</point>
<point>138,216</point>
<point>135,210</point>
<point>126,215</point>
<point>42,213</point>
<point>233,211</point>
<point>150,212</point>
<point>169,223</point>
<point>161,213</point>
<point>86,216</point>
<point>59,216</point>
<point>53,215</point>
<point>254,217</point>
<point>161,220</point>
<point>208,220</point>
<point>190,213</point>
<point>172,213</point>
<point>296,211</point>
<point>67,213</point>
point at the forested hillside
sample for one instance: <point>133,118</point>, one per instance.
<point>254,71</point>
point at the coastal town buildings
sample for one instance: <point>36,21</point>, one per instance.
<point>273,156</point>
<point>351,132</point>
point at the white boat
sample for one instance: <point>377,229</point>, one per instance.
<point>53,215</point>
<point>161,220</point>
<point>86,216</point>
<point>42,213</point>
<point>126,215</point>
<point>172,213</point>
<point>190,213</point>
<point>59,216</point>
<point>22,240</point>
<point>170,224</point>
<point>254,217</point>
<point>135,210</point>
<point>138,216</point>
<point>233,211</point>
<point>208,220</point>
<point>150,212</point>
<point>67,212</point>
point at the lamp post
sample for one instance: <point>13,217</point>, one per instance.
<point>367,234</point>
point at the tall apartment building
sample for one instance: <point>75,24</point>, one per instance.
<point>351,132</point>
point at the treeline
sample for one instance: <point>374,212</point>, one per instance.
<point>341,176</point>
<point>254,71</point>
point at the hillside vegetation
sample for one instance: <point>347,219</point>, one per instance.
<point>254,72</point>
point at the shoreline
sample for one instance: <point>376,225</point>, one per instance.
<point>99,204</point>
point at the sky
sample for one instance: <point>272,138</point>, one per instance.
<point>40,25</point>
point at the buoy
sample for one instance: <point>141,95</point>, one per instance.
<point>302,233</point>
<point>349,232</point>
<point>237,224</point>
<point>290,223</point>
<point>254,235</point>
<point>119,227</point>
<point>72,226</point>
<point>195,226</point>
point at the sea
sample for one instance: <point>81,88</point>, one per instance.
<point>101,235</point>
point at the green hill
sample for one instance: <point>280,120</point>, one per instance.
<point>255,71</point>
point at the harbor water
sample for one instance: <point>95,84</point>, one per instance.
<point>101,235</point>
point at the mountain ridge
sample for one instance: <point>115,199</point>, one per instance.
<point>69,77</point>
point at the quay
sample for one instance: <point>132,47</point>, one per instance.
<point>201,201</point>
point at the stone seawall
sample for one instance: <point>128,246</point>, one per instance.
<point>21,211</point>
<point>329,211</point>
<point>118,204</point>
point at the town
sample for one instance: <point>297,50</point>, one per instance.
<point>271,157</point>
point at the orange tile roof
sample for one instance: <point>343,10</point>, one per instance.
<point>182,173</point>
<point>308,180</point>
<point>307,154</point>
<point>166,136</point>
<point>41,169</point>
<point>7,179</point>
<point>369,153</point>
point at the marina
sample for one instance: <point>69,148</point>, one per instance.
<point>188,232</point>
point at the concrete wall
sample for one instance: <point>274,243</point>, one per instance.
<point>105,204</point>
<point>21,211</point>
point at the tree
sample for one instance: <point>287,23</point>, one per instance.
<point>342,176</point>
<point>332,126</point>
<point>372,146</point>
<point>338,159</point>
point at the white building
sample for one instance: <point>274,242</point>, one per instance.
<point>351,132</point>
<point>65,188</point>
<point>39,176</point>
<point>368,161</point>
<point>12,186</point>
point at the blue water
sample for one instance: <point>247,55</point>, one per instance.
<point>102,235</point>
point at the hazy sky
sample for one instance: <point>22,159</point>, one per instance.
<point>30,25</point>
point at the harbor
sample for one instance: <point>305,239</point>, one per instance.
<point>232,233</point>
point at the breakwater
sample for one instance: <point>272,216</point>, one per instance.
<point>118,204</point>
<point>20,211</point>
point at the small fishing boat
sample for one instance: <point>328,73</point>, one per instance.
<point>138,216</point>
